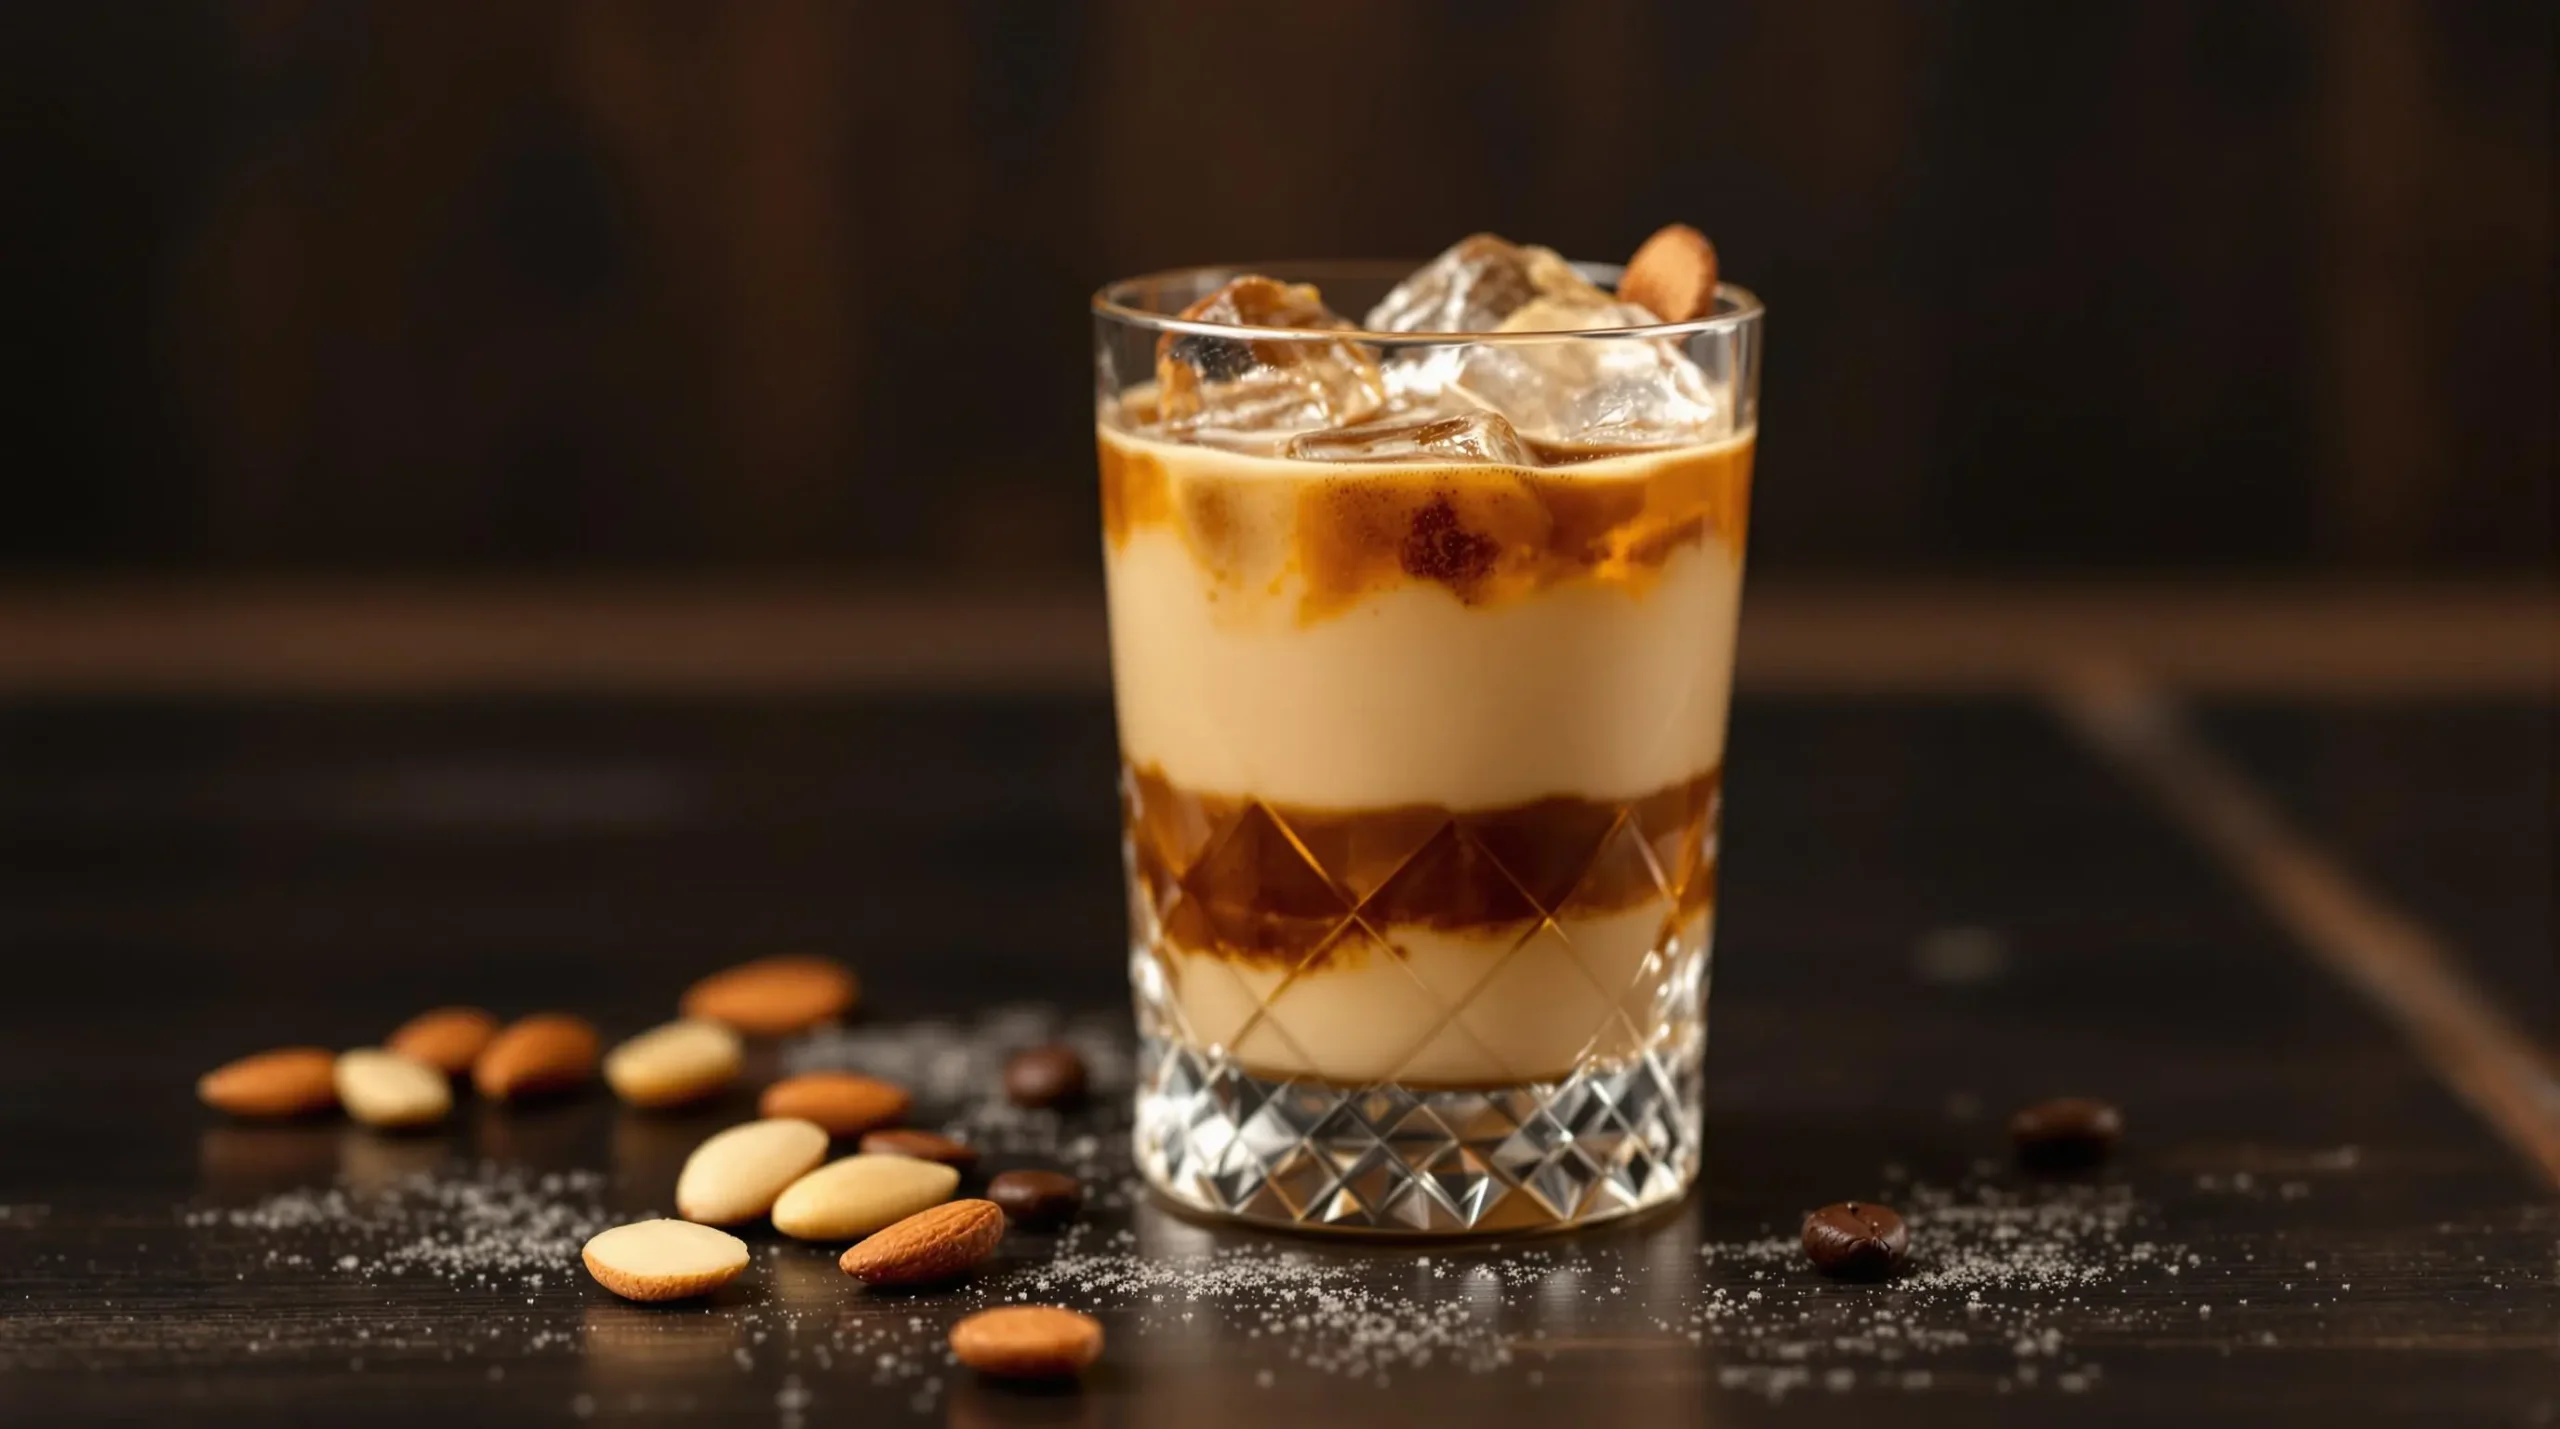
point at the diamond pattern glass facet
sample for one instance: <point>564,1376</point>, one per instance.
<point>1605,1141</point>
<point>1592,1006</point>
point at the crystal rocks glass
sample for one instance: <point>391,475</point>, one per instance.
<point>1421,721</point>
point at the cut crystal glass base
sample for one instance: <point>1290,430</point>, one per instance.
<point>1611,1139</point>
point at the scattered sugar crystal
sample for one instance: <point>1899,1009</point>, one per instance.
<point>1999,1272</point>
<point>469,1223</point>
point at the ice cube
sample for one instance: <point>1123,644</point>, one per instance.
<point>1438,437</point>
<point>1592,391</point>
<point>1576,313</point>
<point>1477,283</point>
<point>1246,389</point>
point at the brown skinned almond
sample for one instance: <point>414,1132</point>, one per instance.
<point>1673,274</point>
<point>289,1081</point>
<point>774,997</point>
<point>448,1039</point>
<point>845,1103</point>
<point>942,1243</point>
<point>1027,1341</point>
<point>536,1056</point>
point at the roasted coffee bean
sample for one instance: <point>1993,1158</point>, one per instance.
<point>1044,1076</point>
<point>1037,1199</point>
<point>1856,1240</point>
<point>2066,1132</point>
<point>922,1145</point>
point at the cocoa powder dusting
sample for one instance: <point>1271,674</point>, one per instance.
<point>1437,548</point>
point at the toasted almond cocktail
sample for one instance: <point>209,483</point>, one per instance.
<point>1421,648</point>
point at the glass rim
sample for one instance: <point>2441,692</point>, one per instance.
<point>1112,300</point>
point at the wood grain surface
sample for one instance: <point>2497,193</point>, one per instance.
<point>1935,910</point>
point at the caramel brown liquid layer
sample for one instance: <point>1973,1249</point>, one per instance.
<point>1489,534</point>
<point>1273,883</point>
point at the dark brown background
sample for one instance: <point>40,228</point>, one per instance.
<point>549,285</point>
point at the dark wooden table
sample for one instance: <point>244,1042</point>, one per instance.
<point>1935,910</point>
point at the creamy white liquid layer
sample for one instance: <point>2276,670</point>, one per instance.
<point>1462,1010</point>
<point>1587,688</point>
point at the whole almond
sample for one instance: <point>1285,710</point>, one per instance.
<point>946,1241</point>
<point>388,1090</point>
<point>664,1260</point>
<point>922,1145</point>
<point>859,1194</point>
<point>1027,1341</point>
<point>448,1039</point>
<point>736,1175</point>
<point>773,997</point>
<point>1673,274</point>
<point>549,1052</point>
<point>845,1103</point>
<point>289,1081</point>
<point>674,1064</point>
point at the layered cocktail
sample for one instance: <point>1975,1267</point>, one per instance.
<point>1422,633</point>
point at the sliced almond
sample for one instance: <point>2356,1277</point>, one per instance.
<point>664,1260</point>
<point>946,1241</point>
<point>845,1103</point>
<point>773,997</point>
<point>1028,1341</point>
<point>448,1039</point>
<point>859,1194</point>
<point>736,1175</point>
<point>549,1052</point>
<point>289,1081</point>
<point>674,1064</point>
<point>1673,274</point>
<point>388,1090</point>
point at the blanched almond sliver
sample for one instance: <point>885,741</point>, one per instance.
<point>736,1175</point>
<point>664,1260</point>
<point>386,1089</point>
<point>674,1064</point>
<point>859,1195</point>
